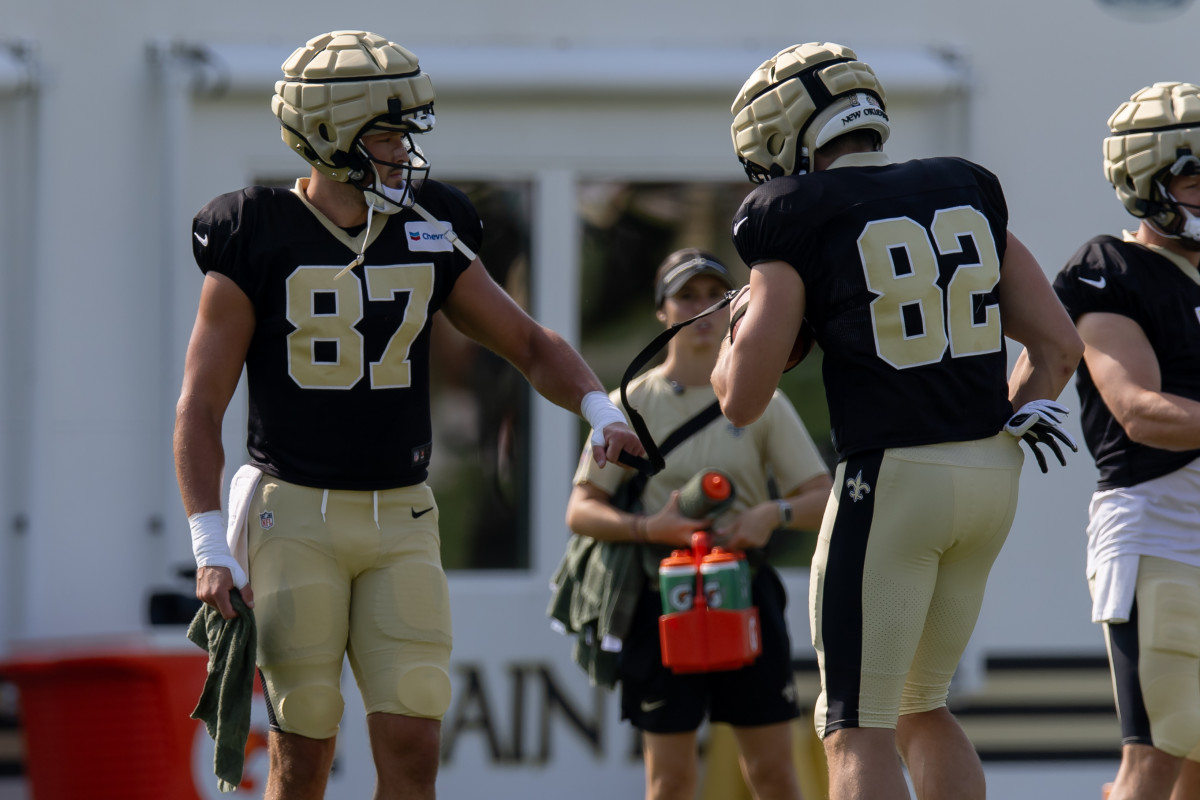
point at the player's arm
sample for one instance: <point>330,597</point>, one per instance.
<point>482,310</point>
<point>1032,315</point>
<point>215,355</point>
<point>747,371</point>
<point>1126,373</point>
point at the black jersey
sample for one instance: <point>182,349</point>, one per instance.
<point>900,264</point>
<point>1112,276</point>
<point>338,368</point>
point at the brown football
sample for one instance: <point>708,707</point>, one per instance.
<point>804,338</point>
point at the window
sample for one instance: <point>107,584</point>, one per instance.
<point>480,404</point>
<point>628,228</point>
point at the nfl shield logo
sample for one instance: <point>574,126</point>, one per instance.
<point>266,520</point>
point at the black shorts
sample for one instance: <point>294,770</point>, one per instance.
<point>657,700</point>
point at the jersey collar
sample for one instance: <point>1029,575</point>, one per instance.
<point>1184,265</point>
<point>355,243</point>
<point>874,158</point>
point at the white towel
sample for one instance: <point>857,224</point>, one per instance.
<point>1113,588</point>
<point>241,489</point>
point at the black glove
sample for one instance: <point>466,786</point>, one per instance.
<point>1038,423</point>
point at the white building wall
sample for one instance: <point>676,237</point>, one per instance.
<point>106,158</point>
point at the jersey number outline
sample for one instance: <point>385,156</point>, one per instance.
<point>334,323</point>
<point>947,317</point>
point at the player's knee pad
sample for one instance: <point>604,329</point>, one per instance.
<point>423,691</point>
<point>419,690</point>
<point>313,711</point>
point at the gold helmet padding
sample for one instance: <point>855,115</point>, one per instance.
<point>1151,131</point>
<point>784,110</point>
<point>338,84</point>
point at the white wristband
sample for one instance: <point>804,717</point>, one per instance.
<point>209,546</point>
<point>600,412</point>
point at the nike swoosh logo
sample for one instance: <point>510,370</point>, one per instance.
<point>1098,283</point>
<point>203,240</point>
<point>422,512</point>
<point>738,225</point>
<point>648,706</point>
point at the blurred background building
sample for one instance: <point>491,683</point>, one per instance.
<point>594,139</point>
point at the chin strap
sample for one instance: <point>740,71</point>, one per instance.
<point>1191,223</point>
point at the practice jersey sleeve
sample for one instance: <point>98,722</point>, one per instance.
<point>759,239</point>
<point>1096,280</point>
<point>222,234</point>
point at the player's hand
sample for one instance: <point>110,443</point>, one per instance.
<point>213,585</point>
<point>1039,423</point>
<point>616,437</point>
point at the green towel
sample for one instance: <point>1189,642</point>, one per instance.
<point>594,592</point>
<point>224,704</point>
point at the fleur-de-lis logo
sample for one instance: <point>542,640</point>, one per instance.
<point>858,487</point>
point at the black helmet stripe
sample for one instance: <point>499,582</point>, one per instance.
<point>816,89</point>
<point>356,79</point>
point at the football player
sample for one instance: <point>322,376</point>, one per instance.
<point>1136,302</point>
<point>325,294</point>
<point>911,281</point>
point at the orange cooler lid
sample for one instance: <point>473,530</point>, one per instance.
<point>716,486</point>
<point>720,555</point>
<point>679,558</point>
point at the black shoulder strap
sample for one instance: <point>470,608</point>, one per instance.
<point>637,484</point>
<point>692,426</point>
<point>655,457</point>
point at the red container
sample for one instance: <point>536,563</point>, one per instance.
<point>109,725</point>
<point>703,639</point>
<point>709,640</point>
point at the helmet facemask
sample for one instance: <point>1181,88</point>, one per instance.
<point>384,199</point>
<point>1176,220</point>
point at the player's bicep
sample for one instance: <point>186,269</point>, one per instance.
<point>219,342</point>
<point>479,308</point>
<point>1030,310</point>
<point>1120,359</point>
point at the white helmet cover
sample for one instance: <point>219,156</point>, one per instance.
<point>799,100</point>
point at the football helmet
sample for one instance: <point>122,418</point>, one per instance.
<point>345,84</point>
<point>1155,135</point>
<point>799,100</point>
